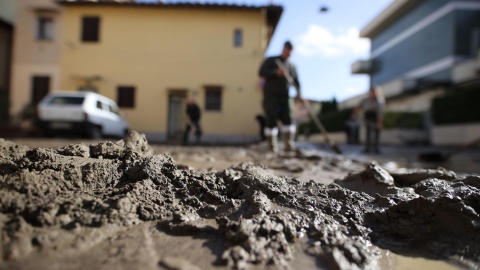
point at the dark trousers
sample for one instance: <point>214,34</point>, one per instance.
<point>262,124</point>
<point>373,132</point>
<point>198,131</point>
<point>373,137</point>
<point>353,134</point>
<point>278,108</point>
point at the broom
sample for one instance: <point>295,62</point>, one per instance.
<point>311,113</point>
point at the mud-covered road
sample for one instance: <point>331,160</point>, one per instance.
<point>126,205</point>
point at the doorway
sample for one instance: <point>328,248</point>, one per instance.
<point>40,88</point>
<point>176,115</point>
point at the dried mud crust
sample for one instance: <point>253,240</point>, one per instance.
<point>66,200</point>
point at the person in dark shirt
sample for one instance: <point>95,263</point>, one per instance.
<point>194,115</point>
<point>279,75</point>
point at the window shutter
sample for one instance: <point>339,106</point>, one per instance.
<point>90,29</point>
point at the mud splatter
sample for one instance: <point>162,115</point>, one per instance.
<point>55,202</point>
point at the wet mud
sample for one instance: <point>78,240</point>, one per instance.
<point>117,205</point>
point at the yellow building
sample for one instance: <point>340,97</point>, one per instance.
<point>7,16</point>
<point>36,45</point>
<point>151,57</point>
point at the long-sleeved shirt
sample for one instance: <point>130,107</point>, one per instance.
<point>373,107</point>
<point>275,85</point>
<point>193,112</point>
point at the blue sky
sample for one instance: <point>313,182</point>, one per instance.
<point>325,43</point>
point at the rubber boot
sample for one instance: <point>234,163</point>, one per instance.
<point>272,143</point>
<point>289,141</point>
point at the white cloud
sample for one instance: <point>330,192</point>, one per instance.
<point>318,40</point>
<point>350,91</point>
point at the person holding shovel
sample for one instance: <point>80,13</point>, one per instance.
<point>279,75</point>
<point>372,107</point>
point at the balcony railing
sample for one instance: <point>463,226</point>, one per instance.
<point>362,67</point>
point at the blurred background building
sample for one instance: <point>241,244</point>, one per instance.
<point>420,50</point>
<point>7,16</point>
<point>149,57</point>
<point>36,55</point>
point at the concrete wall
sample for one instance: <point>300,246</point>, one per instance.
<point>467,70</point>
<point>455,134</point>
<point>414,103</point>
<point>158,50</point>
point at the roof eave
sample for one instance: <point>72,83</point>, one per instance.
<point>273,17</point>
<point>387,16</point>
<point>160,4</point>
<point>273,12</point>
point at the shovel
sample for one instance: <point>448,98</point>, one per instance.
<point>320,126</point>
<point>439,157</point>
<point>312,114</point>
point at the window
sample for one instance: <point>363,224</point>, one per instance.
<point>126,96</point>
<point>113,109</point>
<point>66,101</point>
<point>40,88</point>
<point>213,98</point>
<point>44,28</point>
<point>90,29</point>
<point>99,105</point>
<point>237,38</point>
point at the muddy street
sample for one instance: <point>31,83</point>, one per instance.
<point>132,205</point>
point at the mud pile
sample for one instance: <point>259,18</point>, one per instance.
<point>67,200</point>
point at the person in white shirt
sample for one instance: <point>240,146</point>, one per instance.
<point>373,106</point>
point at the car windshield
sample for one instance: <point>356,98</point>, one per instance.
<point>66,101</point>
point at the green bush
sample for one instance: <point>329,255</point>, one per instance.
<point>335,121</point>
<point>457,106</point>
<point>332,121</point>
<point>329,107</point>
<point>404,120</point>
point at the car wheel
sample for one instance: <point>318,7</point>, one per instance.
<point>125,133</point>
<point>95,132</point>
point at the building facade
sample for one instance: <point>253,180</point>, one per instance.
<point>151,58</point>
<point>7,17</point>
<point>36,54</point>
<point>420,48</point>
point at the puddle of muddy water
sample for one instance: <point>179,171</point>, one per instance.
<point>465,167</point>
<point>390,260</point>
<point>408,157</point>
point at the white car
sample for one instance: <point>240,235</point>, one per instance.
<point>84,113</point>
